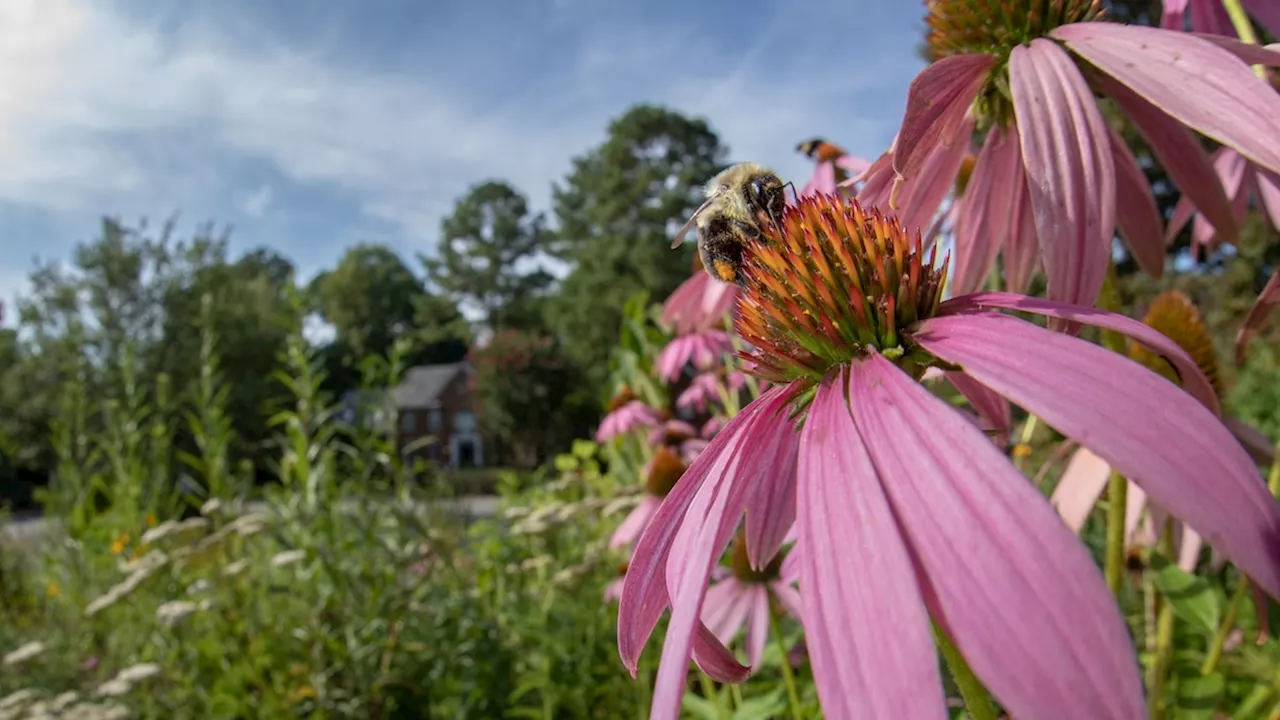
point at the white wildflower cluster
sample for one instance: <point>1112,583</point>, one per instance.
<point>23,654</point>
<point>176,530</point>
<point>288,557</point>
<point>553,514</point>
<point>29,704</point>
<point>174,611</point>
<point>126,680</point>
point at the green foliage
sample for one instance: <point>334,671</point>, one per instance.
<point>615,212</point>
<point>490,234</point>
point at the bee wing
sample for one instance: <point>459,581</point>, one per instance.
<point>693,219</point>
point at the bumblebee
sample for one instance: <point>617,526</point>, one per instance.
<point>820,150</point>
<point>739,200</point>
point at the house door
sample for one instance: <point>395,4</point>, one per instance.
<point>466,453</point>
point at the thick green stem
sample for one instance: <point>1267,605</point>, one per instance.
<point>1224,629</point>
<point>976,699</point>
<point>788,677</point>
<point>1117,499</point>
<point>1244,28</point>
<point>1158,670</point>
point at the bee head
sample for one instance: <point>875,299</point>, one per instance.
<point>766,196</point>
<point>809,147</point>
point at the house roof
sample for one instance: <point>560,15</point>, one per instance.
<point>423,384</point>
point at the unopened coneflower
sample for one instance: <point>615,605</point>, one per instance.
<point>742,596</point>
<point>881,479</point>
<point>1052,175</point>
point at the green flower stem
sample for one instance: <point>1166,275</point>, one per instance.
<point>976,699</point>
<point>1224,629</point>
<point>788,677</point>
<point>709,690</point>
<point>1244,28</point>
<point>1159,666</point>
<point>1117,499</point>
<point>1024,441</point>
<point>1253,703</point>
<point>1273,480</point>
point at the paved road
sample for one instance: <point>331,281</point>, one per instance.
<point>30,529</point>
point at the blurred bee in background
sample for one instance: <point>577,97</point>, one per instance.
<point>820,150</point>
<point>739,200</point>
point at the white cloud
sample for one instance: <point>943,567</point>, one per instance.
<point>100,114</point>
<point>257,202</point>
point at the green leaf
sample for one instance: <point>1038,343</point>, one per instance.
<point>1192,598</point>
<point>1198,696</point>
<point>762,707</point>
<point>700,707</point>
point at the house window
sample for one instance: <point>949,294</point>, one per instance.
<point>408,422</point>
<point>464,422</point>
<point>433,420</point>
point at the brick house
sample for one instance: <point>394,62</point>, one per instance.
<point>435,401</point>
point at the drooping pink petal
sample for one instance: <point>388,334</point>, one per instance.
<point>1136,213</point>
<point>644,594</point>
<point>725,608</point>
<point>1070,174</point>
<point>853,164</point>
<point>1268,184</point>
<point>1021,247</point>
<point>1079,487</point>
<point>1247,52</point>
<point>1195,81</point>
<point>757,622</point>
<point>877,183</point>
<point>1193,380</point>
<point>1045,636</point>
<point>988,404</point>
<point>1209,16</point>
<point>822,182</point>
<point>1180,154</point>
<point>937,101</point>
<point>1267,300</point>
<point>1267,13</point>
<point>787,596</point>
<point>869,643</point>
<point>1144,426</point>
<point>712,516</point>
<point>635,522</point>
<point>771,509</point>
<point>1232,170</point>
<point>1259,446</point>
<point>984,220</point>
<point>924,193</point>
<point>1173,16</point>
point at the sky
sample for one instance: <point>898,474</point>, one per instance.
<point>312,125</point>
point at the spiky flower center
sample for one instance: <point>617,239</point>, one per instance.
<point>664,470</point>
<point>1176,317</point>
<point>741,563</point>
<point>831,283</point>
<point>996,27</point>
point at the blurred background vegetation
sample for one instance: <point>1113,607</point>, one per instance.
<point>218,544</point>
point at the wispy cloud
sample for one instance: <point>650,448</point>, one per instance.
<point>378,128</point>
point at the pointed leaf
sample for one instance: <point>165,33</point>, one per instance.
<point>1191,597</point>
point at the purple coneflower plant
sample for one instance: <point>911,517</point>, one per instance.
<point>703,350</point>
<point>904,511</point>
<point>1026,74</point>
<point>699,304</point>
<point>625,415</point>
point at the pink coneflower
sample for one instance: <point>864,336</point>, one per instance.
<point>681,436</point>
<point>740,599</point>
<point>884,480</point>
<point>704,350</point>
<point>1027,73</point>
<point>626,414</point>
<point>613,588</point>
<point>1240,179</point>
<point>699,304</point>
<point>704,390</point>
<point>1209,16</point>
<point>660,474</point>
<point>832,166</point>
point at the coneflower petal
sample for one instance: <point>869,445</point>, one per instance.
<point>1136,213</point>
<point>1180,153</point>
<point>1121,410</point>
<point>1266,302</point>
<point>984,218</point>
<point>1020,595</point>
<point>771,509</point>
<point>1021,249</point>
<point>925,191</point>
<point>1267,13</point>
<point>991,406</point>
<point>1248,52</point>
<point>1193,80</point>
<point>869,642</point>
<point>937,101</point>
<point>1269,194</point>
<point>1070,174</point>
<point>1078,489</point>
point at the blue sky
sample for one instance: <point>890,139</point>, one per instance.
<point>312,125</point>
